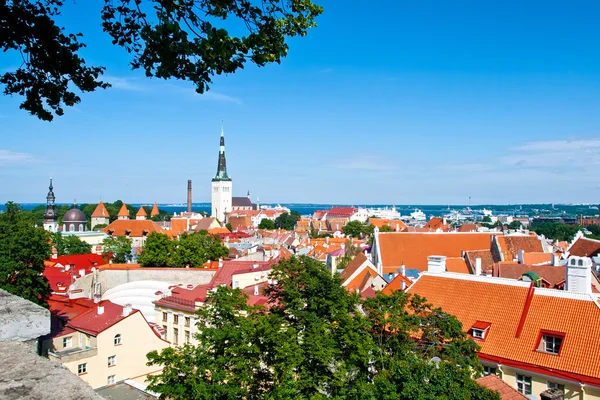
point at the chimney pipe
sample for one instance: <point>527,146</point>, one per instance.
<point>100,309</point>
<point>127,310</point>
<point>189,196</point>
<point>477,266</point>
<point>256,290</point>
<point>436,264</point>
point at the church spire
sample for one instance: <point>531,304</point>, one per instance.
<point>222,165</point>
<point>50,215</point>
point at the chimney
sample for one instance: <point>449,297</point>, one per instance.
<point>520,256</point>
<point>256,290</point>
<point>477,266</point>
<point>579,275</point>
<point>403,269</point>
<point>189,196</point>
<point>82,272</point>
<point>403,285</point>
<point>327,240</point>
<point>127,310</point>
<point>220,263</point>
<point>436,264</point>
<point>555,260</point>
<point>444,221</point>
<point>254,266</point>
<point>100,309</point>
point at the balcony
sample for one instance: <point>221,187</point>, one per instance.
<point>73,354</point>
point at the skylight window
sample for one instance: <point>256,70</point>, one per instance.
<point>550,342</point>
<point>480,330</point>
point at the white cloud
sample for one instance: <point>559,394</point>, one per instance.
<point>559,145</point>
<point>123,83</point>
<point>212,95</point>
<point>8,157</point>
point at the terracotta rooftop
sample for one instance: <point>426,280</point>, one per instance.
<point>518,314</point>
<point>100,211</point>
<point>537,258</point>
<point>468,228</point>
<point>487,261</point>
<point>510,245</point>
<point>457,264</point>
<point>584,247</point>
<point>123,212</point>
<point>353,266</point>
<point>412,249</point>
<point>132,228</point>
<point>496,384</point>
<point>396,284</point>
<point>141,212</point>
<point>551,274</point>
<point>154,210</point>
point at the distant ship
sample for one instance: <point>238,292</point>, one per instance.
<point>385,212</point>
<point>418,215</point>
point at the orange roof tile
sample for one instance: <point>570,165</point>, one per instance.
<point>537,258</point>
<point>141,212</point>
<point>584,247</point>
<point>487,260</point>
<point>502,303</point>
<point>123,212</point>
<point>132,227</point>
<point>396,284</point>
<point>361,280</point>
<point>510,245</point>
<point>412,249</point>
<point>457,264</point>
<point>496,384</point>
<point>437,223</point>
<point>154,211</point>
<point>216,231</point>
<point>468,228</point>
<point>353,266</point>
<point>100,211</point>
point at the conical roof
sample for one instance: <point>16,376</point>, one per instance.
<point>141,212</point>
<point>100,211</point>
<point>154,210</point>
<point>123,212</point>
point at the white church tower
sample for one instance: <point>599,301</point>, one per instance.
<point>51,216</point>
<point>221,186</point>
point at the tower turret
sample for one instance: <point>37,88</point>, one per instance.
<point>221,185</point>
<point>50,215</point>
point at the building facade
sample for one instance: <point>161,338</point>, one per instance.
<point>221,196</point>
<point>50,215</point>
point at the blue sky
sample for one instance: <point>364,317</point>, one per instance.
<point>391,102</point>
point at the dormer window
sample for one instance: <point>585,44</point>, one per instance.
<point>480,330</point>
<point>550,342</point>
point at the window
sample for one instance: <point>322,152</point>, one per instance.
<point>524,384</point>
<point>111,380</point>
<point>187,336</point>
<point>112,361</point>
<point>117,340</point>
<point>556,386</point>
<point>72,228</point>
<point>187,322</point>
<point>552,344</point>
<point>82,369</point>
<point>478,333</point>
<point>165,317</point>
<point>175,319</point>
<point>67,342</point>
<point>175,335</point>
<point>489,370</point>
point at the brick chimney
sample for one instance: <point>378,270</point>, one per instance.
<point>552,394</point>
<point>189,196</point>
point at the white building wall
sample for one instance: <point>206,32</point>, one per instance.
<point>221,199</point>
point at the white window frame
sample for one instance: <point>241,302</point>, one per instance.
<point>82,369</point>
<point>67,342</point>
<point>117,339</point>
<point>478,333</point>
<point>186,337</point>
<point>111,380</point>
<point>112,361</point>
<point>524,384</point>
<point>176,336</point>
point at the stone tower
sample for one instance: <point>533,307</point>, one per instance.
<point>221,186</point>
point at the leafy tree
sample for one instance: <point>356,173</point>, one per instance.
<point>354,228</point>
<point>69,245</point>
<point>117,246</point>
<point>23,249</point>
<point>313,344</point>
<point>557,231</point>
<point>184,40</point>
<point>487,219</point>
<point>228,226</point>
<point>195,249</point>
<point>386,228</point>
<point>287,221</point>
<point>157,251</point>
<point>266,223</point>
<point>515,225</point>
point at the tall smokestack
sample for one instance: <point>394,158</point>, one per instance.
<point>189,200</point>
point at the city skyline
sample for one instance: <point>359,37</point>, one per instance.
<point>403,104</point>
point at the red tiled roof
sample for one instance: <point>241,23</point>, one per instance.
<point>515,328</point>
<point>123,212</point>
<point>457,264</point>
<point>437,223</point>
<point>341,212</point>
<point>132,228</point>
<point>584,247</point>
<point>60,278</point>
<point>353,266</point>
<point>412,249</point>
<point>537,258</point>
<point>141,212</point>
<point>230,268</point>
<point>154,210</point>
<point>467,228</point>
<point>496,384</point>
<point>487,261</point>
<point>100,211</point>
<point>553,275</point>
<point>510,245</point>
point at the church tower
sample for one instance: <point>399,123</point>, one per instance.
<point>221,186</point>
<point>50,215</point>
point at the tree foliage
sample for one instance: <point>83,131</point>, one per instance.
<point>313,342</point>
<point>357,229</point>
<point>556,230</point>
<point>117,246</point>
<point>69,245</point>
<point>266,223</point>
<point>184,40</point>
<point>287,221</point>
<point>23,249</point>
<point>191,250</point>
